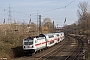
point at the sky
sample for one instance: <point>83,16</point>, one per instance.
<point>20,10</point>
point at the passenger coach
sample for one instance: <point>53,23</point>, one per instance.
<point>36,43</point>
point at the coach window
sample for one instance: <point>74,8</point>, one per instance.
<point>57,34</point>
<point>51,36</point>
<point>35,41</point>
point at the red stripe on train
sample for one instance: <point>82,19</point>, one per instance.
<point>51,41</point>
<point>43,42</point>
<point>40,43</point>
<point>37,44</point>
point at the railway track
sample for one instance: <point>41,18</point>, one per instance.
<point>73,53</point>
<point>52,54</point>
<point>42,54</point>
<point>77,50</point>
<point>68,49</point>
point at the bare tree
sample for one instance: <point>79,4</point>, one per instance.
<point>83,15</point>
<point>83,7</point>
<point>47,22</point>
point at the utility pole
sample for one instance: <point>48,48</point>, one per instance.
<point>37,21</point>
<point>4,17</point>
<point>30,19</point>
<point>37,18</point>
<point>53,27</point>
<point>9,18</point>
<point>57,28</point>
<point>40,29</point>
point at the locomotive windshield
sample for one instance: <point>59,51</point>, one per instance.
<point>28,42</point>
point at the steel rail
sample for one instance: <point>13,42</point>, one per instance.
<point>77,49</point>
<point>53,52</point>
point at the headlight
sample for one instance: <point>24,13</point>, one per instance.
<point>24,46</point>
<point>32,46</point>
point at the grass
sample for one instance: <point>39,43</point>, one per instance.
<point>11,40</point>
<point>11,37</point>
<point>88,54</point>
<point>8,46</point>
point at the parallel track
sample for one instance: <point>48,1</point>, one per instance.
<point>55,51</point>
<point>74,55</point>
<point>42,54</point>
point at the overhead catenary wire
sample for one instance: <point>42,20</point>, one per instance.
<point>70,3</point>
<point>60,7</point>
<point>64,7</point>
<point>35,14</point>
<point>43,11</point>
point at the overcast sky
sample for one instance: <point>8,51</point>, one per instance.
<point>21,10</point>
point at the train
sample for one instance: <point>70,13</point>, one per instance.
<point>42,41</point>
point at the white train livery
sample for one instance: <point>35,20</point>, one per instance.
<point>36,43</point>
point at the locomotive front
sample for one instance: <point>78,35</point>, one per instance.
<point>28,45</point>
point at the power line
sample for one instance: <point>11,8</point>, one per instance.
<point>70,3</point>
<point>60,7</point>
<point>19,12</point>
<point>54,9</point>
<point>43,11</point>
